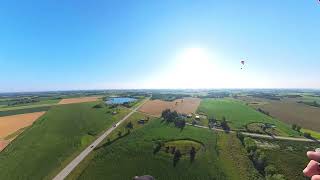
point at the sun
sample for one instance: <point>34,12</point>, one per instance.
<point>193,68</point>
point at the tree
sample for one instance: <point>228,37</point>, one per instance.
<point>298,128</point>
<point>180,123</point>
<point>270,170</point>
<point>192,154</point>
<point>173,149</point>
<point>224,124</point>
<point>307,135</point>
<point>165,113</point>
<point>119,133</point>
<point>249,144</point>
<point>294,126</point>
<point>129,125</point>
<point>176,157</point>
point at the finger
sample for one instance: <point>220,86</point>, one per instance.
<point>313,155</point>
<point>316,177</point>
<point>312,169</point>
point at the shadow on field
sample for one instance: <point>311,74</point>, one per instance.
<point>112,141</point>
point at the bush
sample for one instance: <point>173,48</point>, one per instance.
<point>270,170</point>
<point>250,144</point>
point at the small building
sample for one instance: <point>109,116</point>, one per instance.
<point>189,116</point>
<point>114,112</point>
<point>197,117</point>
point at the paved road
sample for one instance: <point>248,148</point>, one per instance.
<point>74,163</point>
<point>262,135</point>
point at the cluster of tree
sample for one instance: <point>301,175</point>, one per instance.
<point>168,97</point>
<point>264,112</point>
<point>216,95</point>
<point>172,116</point>
<point>296,127</point>
<point>98,106</point>
<point>270,96</point>
<point>22,101</point>
<point>259,159</point>
<point>313,103</point>
<point>224,124</point>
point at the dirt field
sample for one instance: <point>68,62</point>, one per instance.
<point>79,100</point>
<point>155,107</point>
<point>3,144</point>
<point>289,111</point>
<point>11,124</point>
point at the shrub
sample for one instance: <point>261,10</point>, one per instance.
<point>270,170</point>
<point>249,144</point>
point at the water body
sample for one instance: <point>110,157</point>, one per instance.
<point>120,100</point>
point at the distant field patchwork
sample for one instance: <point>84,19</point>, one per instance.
<point>295,113</point>
<point>79,100</point>
<point>47,146</point>
<point>186,106</point>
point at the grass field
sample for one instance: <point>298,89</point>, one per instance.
<point>239,114</point>
<point>234,158</point>
<point>289,158</point>
<point>52,141</point>
<point>135,154</point>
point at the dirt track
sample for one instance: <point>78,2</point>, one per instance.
<point>79,100</point>
<point>186,106</point>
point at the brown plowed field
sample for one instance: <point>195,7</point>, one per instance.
<point>186,106</point>
<point>11,124</point>
<point>295,113</point>
<point>78,100</point>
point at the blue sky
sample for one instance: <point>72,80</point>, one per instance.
<point>64,45</point>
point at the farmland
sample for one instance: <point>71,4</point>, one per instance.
<point>12,126</point>
<point>186,106</point>
<point>238,114</point>
<point>24,110</point>
<point>136,154</point>
<point>45,147</point>
<point>294,113</point>
<point>79,100</point>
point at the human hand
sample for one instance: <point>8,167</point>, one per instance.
<point>313,168</point>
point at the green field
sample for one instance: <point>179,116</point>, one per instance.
<point>23,111</point>
<point>135,154</point>
<point>52,141</point>
<point>239,114</point>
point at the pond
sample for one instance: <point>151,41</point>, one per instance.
<point>120,100</point>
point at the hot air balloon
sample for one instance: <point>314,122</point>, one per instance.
<point>242,62</point>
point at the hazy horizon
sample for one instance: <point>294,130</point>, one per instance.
<point>79,45</point>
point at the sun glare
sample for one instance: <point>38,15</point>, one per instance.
<point>190,67</point>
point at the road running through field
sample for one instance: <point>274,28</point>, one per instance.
<point>262,135</point>
<point>75,162</point>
